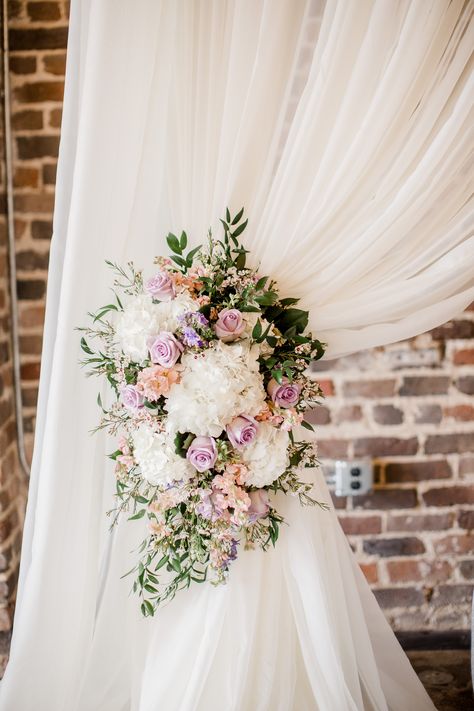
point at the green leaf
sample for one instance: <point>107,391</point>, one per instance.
<point>237,218</point>
<point>190,256</point>
<point>240,229</point>
<point>176,565</point>
<point>240,261</point>
<point>307,425</point>
<point>138,515</point>
<point>268,298</point>
<point>173,243</point>
<point>227,215</point>
<point>162,562</point>
<point>257,330</point>
<point>180,261</point>
<point>288,302</point>
<point>278,375</point>
<point>183,240</point>
<point>296,319</point>
<point>85,347</point>
<point>261,283</point>
<point>115,454</point>
<point>140,499</point>
<point>147,608</point>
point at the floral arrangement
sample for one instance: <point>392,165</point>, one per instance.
<point>207,363</point>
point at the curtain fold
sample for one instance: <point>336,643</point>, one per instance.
<point>346,130</point>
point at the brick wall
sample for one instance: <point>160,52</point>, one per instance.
<point>409,406</point>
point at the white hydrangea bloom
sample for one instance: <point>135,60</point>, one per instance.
<point>267,456</point>
<point>169,311</point>
<point>155,454</point>
<point>141,319</point>
<point>215,387</point>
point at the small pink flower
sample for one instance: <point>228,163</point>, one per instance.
<point>202,453</point>
<point>230,325</point>
<point>161,287</point>
<point>242,430</point>
<point>285,395</point>
<point>156,381</point>
<point>165,349</point>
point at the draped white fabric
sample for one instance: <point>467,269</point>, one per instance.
<point>346,131</point>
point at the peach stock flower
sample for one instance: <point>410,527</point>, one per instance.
<point>156,381</point>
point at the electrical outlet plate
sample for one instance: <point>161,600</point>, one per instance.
<point>349,477</point>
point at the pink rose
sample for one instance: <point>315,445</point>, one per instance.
<point>230,325</point>
<point>259,505</point>
<point>161,287</point>
<point>131,397</point>
<point>165,349</point>
<point>202,453</point>
<point>242,431</point>
<point>285,395</point>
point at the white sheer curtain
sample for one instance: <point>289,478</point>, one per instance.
<point>346,130</point>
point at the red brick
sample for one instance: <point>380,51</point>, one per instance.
<point>397,472</point>
<point>339,502</point>
<point>369,388</point>
<point>360,525</point>
<point>31,290</point>
<point>453,329</point>
<point>22,64</point>
<point>392,547</point>
<point>387,415</point>
<point>370,572</point>
<point>318,416</point>
<point>446,443</point>
<point>424,385</point>
<point>466,384</point>
<point>452,595</point>
<point>30,260</point>
<point>461,544</point>
<point>449,495</point>
<point>36,39</point>
<point>32,316</point>
<point>55,117</point>
<point>327,386</point>
<point>466,466</point>
<point>39,91</point>
<point>460,413</point>
<point>30,371</point>
<point>30,147</point>
<point>399,597</point>
<point>413,571</point>
<point>332,448</point>
<point>465,356</point>
<point>49,174</point>
<point>466,519</point>
<point>41,229</point>
<point>55,63</point>
<point>420,522</point>
<point>26,177</point>
<point>467,569</point>
<point>385,446</point>
<point>428,414</point>
<point>349,413</point>
<point>387,499</point>
<point>29,397</point>
<point>43,11</point>
<point>40,202</point>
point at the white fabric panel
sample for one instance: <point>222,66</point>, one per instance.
<point>346,130</point>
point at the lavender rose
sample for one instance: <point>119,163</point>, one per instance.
<point>259,504</point>
<point>165,349</point>
<point>161,287</point>
<point>285,395</point>
<point>131,397</point>
<point>202,453</point>
<point>229,325</point>
<point>242,431</point>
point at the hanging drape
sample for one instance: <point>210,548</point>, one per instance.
<point>346,130</point>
